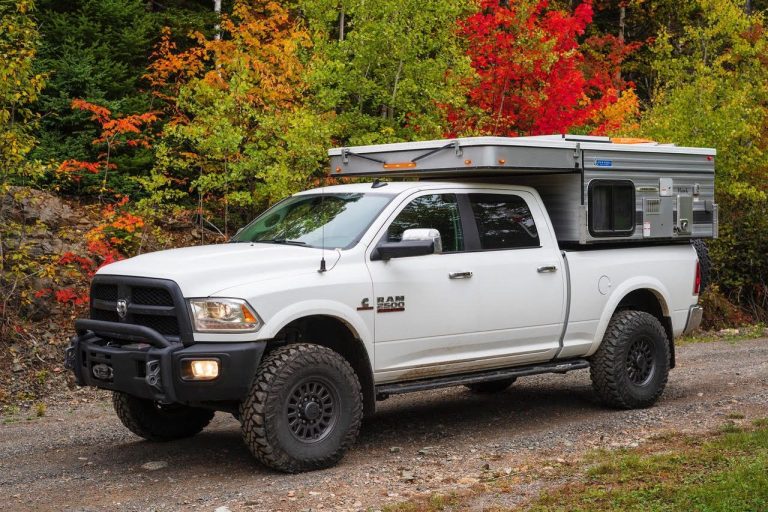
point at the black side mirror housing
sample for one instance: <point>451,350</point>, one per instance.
<point>404,249</point>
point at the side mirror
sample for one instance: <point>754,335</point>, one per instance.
<point>425,235</point>
<point>415,242</point>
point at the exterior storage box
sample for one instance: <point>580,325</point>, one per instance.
<point>596,190</point>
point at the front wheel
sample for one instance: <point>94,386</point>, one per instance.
<point>631,367</point>
<point>159,422</point>
<point>304,409</point>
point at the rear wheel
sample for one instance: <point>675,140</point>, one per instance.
<point>493,386</point>
<point>304,409</point>
<point>631,367</point>
<point>159,422</point>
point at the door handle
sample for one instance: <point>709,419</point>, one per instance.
<point>546,269</point>
<point>460,275</point>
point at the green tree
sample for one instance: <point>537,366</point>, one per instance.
<point>386,68</point>
<point>713,91</point>
<point>95,50</point>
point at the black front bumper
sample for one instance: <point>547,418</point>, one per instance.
<point>139,361</point>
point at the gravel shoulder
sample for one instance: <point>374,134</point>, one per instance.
<point>79,457</point>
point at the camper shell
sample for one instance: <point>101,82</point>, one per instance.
<point>596,189</point>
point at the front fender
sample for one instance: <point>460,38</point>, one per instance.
<point>621,291</point>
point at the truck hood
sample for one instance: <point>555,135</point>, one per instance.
<point>203,270</point>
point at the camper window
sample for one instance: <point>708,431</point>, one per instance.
<point>611,208</point>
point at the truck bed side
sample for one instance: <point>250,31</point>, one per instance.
<point>602,278</point>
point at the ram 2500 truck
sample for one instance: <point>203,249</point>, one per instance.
<point>338,297</point>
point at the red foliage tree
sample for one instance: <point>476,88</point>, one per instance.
<point>534,74</point>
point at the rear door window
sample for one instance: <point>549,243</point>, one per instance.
<point>504,221</point>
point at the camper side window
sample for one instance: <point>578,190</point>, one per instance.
<point>611,208</point>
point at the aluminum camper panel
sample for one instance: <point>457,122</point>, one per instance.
<point>452,160</point>
<point>561,195</point>
<point>696,187</point>
<point>633,161</point>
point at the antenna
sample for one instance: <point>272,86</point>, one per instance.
<point>322,228</point>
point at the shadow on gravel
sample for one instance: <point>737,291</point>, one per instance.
<point>409,421</point>
<point>456,411</point>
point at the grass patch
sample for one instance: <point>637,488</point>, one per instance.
<point>725,472</point>
<point>435,503</point>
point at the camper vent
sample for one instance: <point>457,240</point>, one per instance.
<point>652,206</point>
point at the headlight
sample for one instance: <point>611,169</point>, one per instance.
<point>223,315</point>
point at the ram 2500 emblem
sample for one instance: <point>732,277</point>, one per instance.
<point>364,305</point>
<point>390,304</point>
<point>122,308</point>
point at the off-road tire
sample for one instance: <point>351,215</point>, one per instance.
<point>268,428</point>
<point>492,386</point>
<point>705,263</point>
<point>156,422</point>
<point>615,373</point>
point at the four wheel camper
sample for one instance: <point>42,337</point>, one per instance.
<point>596,189</point>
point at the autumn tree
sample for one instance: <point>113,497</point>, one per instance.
<point>239,135</point>
<point>20,87</point>
<point>536,75</point>
<point>115,133</point>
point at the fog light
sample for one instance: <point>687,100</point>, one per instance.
<point>200,369</point>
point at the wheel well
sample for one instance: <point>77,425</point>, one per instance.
<point>337,335</point>
<point>648,301</point>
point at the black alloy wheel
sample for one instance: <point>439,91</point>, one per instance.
<point>312,409</point>
<point>640,361</point>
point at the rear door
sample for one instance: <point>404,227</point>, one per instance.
<point>517,269</point>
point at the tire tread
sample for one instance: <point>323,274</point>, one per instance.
<point>606,370</point>
<point>256,411</point>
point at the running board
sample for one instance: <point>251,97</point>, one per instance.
<point>384,390</point>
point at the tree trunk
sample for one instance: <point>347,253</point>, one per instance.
<point>217,10</point>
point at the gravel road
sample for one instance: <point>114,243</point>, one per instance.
<point>79,457</point>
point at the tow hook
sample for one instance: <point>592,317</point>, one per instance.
<point>153,375</point>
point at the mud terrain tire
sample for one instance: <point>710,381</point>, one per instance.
<point>304,409</point>
<point>631,367</point>
<point>156,422</point>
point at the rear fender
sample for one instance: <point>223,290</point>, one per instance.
<point>637,283</point>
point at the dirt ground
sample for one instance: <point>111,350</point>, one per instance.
<point>78,456</point>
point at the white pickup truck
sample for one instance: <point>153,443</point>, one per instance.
<point>337,297</point>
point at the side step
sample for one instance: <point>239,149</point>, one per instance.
<point>384,390</point>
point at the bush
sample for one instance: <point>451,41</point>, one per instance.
<point>740,256</point>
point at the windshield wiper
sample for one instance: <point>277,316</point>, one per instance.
<point>280,241</point>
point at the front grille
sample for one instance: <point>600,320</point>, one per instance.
<point>104,292</point>
<point>154,303</point>
<point>105,315</point>
<point>165,325</point>
<point>151,296</point>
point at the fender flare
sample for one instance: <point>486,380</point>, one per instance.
<point>337,310</point>
<point>630,285</point>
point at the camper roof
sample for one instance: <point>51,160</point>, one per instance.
<point>545,153</point>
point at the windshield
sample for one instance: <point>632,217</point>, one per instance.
<point>316,220</point>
